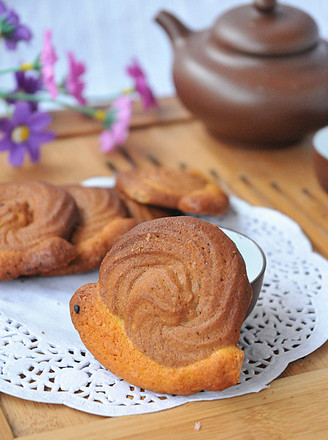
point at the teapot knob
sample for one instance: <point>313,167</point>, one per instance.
<point>265,5</point>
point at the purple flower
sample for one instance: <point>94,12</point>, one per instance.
<point>135,71</point>
<point>11,29</point>
<point>48,59</point>
<point>119,130</point>
<point>74,84</point>
<point>27,83</point>
<point>24,133</point>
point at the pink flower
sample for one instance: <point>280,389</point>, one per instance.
<point>119,130</point>
<point>135,71</point>
<point>74,85</point>
<point>48,59</point>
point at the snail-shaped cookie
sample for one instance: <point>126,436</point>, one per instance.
<point>102,220</point>
<point>36,221</point>
<point>187,190</point>
<point>168,307</point>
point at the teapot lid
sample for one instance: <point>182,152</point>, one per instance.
<point>266,28</point>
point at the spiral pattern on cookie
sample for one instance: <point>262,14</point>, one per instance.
<point>97,206</point>
<point>180,287</point>
<point>32,211</point>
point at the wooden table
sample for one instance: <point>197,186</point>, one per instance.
<point>295,406</point>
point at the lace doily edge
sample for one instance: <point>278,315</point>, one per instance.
<point>173,401</point>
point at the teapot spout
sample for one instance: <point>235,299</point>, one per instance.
<point>176,30</point>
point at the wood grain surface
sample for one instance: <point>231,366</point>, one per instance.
<point>295,405</point>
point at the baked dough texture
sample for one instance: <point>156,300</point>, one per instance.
<point>186,190</point>
<point>36,222</point>
<point>102,220</point>
<point>168,307</point>
<point>143,213</point>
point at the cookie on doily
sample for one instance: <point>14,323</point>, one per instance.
<point>102,220</point>
<point>168,307</point>
<point>36,222</point>
<point>186,190</point>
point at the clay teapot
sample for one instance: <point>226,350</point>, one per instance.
<point>258,77</point>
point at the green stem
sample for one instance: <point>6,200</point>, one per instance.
<point>10,70</point>
<point>110,98</point>
<point>36,98</point>
<point>35,65</point>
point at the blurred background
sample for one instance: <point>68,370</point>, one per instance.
<point>107,34</point>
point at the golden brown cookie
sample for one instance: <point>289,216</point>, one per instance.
<point>143,213</point>
<point>102,219</point>
<point>36,221</point>
<point>168,307</point>
<point>187,190</point>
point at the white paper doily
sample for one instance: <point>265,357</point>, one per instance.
<point>43,359</point>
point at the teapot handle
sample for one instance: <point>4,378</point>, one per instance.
<point>265,5</point>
